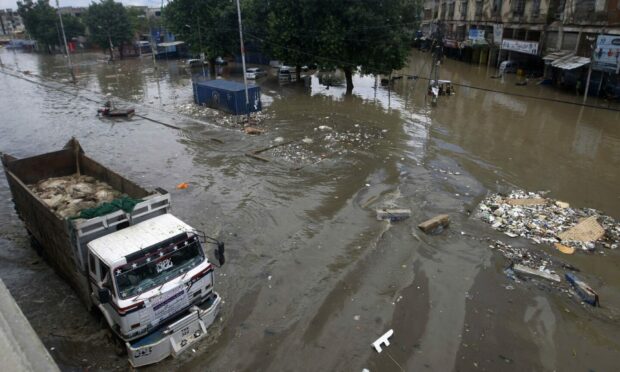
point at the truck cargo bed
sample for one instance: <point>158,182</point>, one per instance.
<point>63,241</point>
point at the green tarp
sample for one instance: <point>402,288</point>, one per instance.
<point>124,203</point>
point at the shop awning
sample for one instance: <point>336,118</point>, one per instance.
<point>556,55</point>
<point>170,44</point>
<point>570,62</point>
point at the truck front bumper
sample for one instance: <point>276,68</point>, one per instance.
<point>176,337</point>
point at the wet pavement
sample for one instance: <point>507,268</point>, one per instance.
<point>312,278</point>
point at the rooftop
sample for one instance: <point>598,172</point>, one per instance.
<point>232,86</point>
<point>113,248</point>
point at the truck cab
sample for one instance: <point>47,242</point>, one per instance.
<point>154,285</point>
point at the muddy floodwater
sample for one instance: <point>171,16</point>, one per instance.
<point>312,278</point>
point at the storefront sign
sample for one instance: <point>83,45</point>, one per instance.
<point>607,53</point>
<point>498,33</point>
<point>528,47</point>
<point>476,34</point>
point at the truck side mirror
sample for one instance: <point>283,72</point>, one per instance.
<point>219,253</point>
<point>104,296</point>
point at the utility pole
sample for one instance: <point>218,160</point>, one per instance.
<point>64,38</point>
<point>245,80</point>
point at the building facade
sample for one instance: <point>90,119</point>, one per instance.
<point>10,23</point>
<point>541,35</point>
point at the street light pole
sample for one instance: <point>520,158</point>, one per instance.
<point>64,38</point>
<point>245,80</point>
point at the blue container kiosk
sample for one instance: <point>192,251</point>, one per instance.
<point>227,96</point>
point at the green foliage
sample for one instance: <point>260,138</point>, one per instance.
<point>138,19</point>
<point>373,35</point>
<point>40,21</point>
<point>208,27</point>
<point>109,21</point>
<point>73,27</point>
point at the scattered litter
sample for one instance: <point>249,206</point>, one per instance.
<point>279,140</point>
<point>253,130</point>
<point>436,224</point>
<point>545,274</point>
<point>544,220</point>
<point>584,291</point>
<point>526,201</point>
<point>506,359</point>
<point>307,140</point>
<point>182,186</point>
<point>563,248</point>
<point>356,317</point>
<point>324,127</point>
<point>383,340</point>
<point>587,230</point>
<point>69,195</point>
<point>393,214</point>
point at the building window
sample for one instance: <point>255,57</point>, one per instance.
<point>535,8</point>
<point>464,5</point>
<point>585,6</point>
<point>518,7</point>
<point>478,8</point>
<point>443,10</point>
<point>451,10</point>
<point>497,7</point>
<point>557,7</point>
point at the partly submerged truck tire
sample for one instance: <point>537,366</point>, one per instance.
<point>118,345</point>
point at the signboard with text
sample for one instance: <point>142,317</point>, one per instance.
<point>527,47</point>
<point>498,33</point>
<point>476,34</point>
<point>607,53</point>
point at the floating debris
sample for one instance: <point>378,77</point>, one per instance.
<point>436,224</point>
<point>393,214</point>
<point>383,340</point>
<point>544,220</point>
<point>541,273</point>
<point>253,130</point>
<point>584,291</point>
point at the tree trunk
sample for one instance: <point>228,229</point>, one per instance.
<point>120,50</point>
<point>212,74</point>
<point>298,72</point>
<point>111,53</point>
<point>348,73</point>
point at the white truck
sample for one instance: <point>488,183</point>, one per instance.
<point>144,269</point>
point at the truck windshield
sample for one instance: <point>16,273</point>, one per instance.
<point>158,267</point>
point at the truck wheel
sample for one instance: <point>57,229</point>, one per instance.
<point>117,344</point>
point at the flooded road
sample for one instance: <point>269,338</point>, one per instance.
<point>312,278</point>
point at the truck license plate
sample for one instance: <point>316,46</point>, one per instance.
<point>186,336</point>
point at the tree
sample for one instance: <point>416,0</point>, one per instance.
<point>208,27</point>
<point>109,25</point>
<point>286,36</point>
<point>73,27</point>
<point>40,20</point>
<point>372,35</point>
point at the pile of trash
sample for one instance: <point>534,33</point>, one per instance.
<point>220,118</point>
<point>327,142</point>
<point>69,195</point>
<point>545,220</point>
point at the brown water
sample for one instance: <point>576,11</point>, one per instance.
<point>312,278</point>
